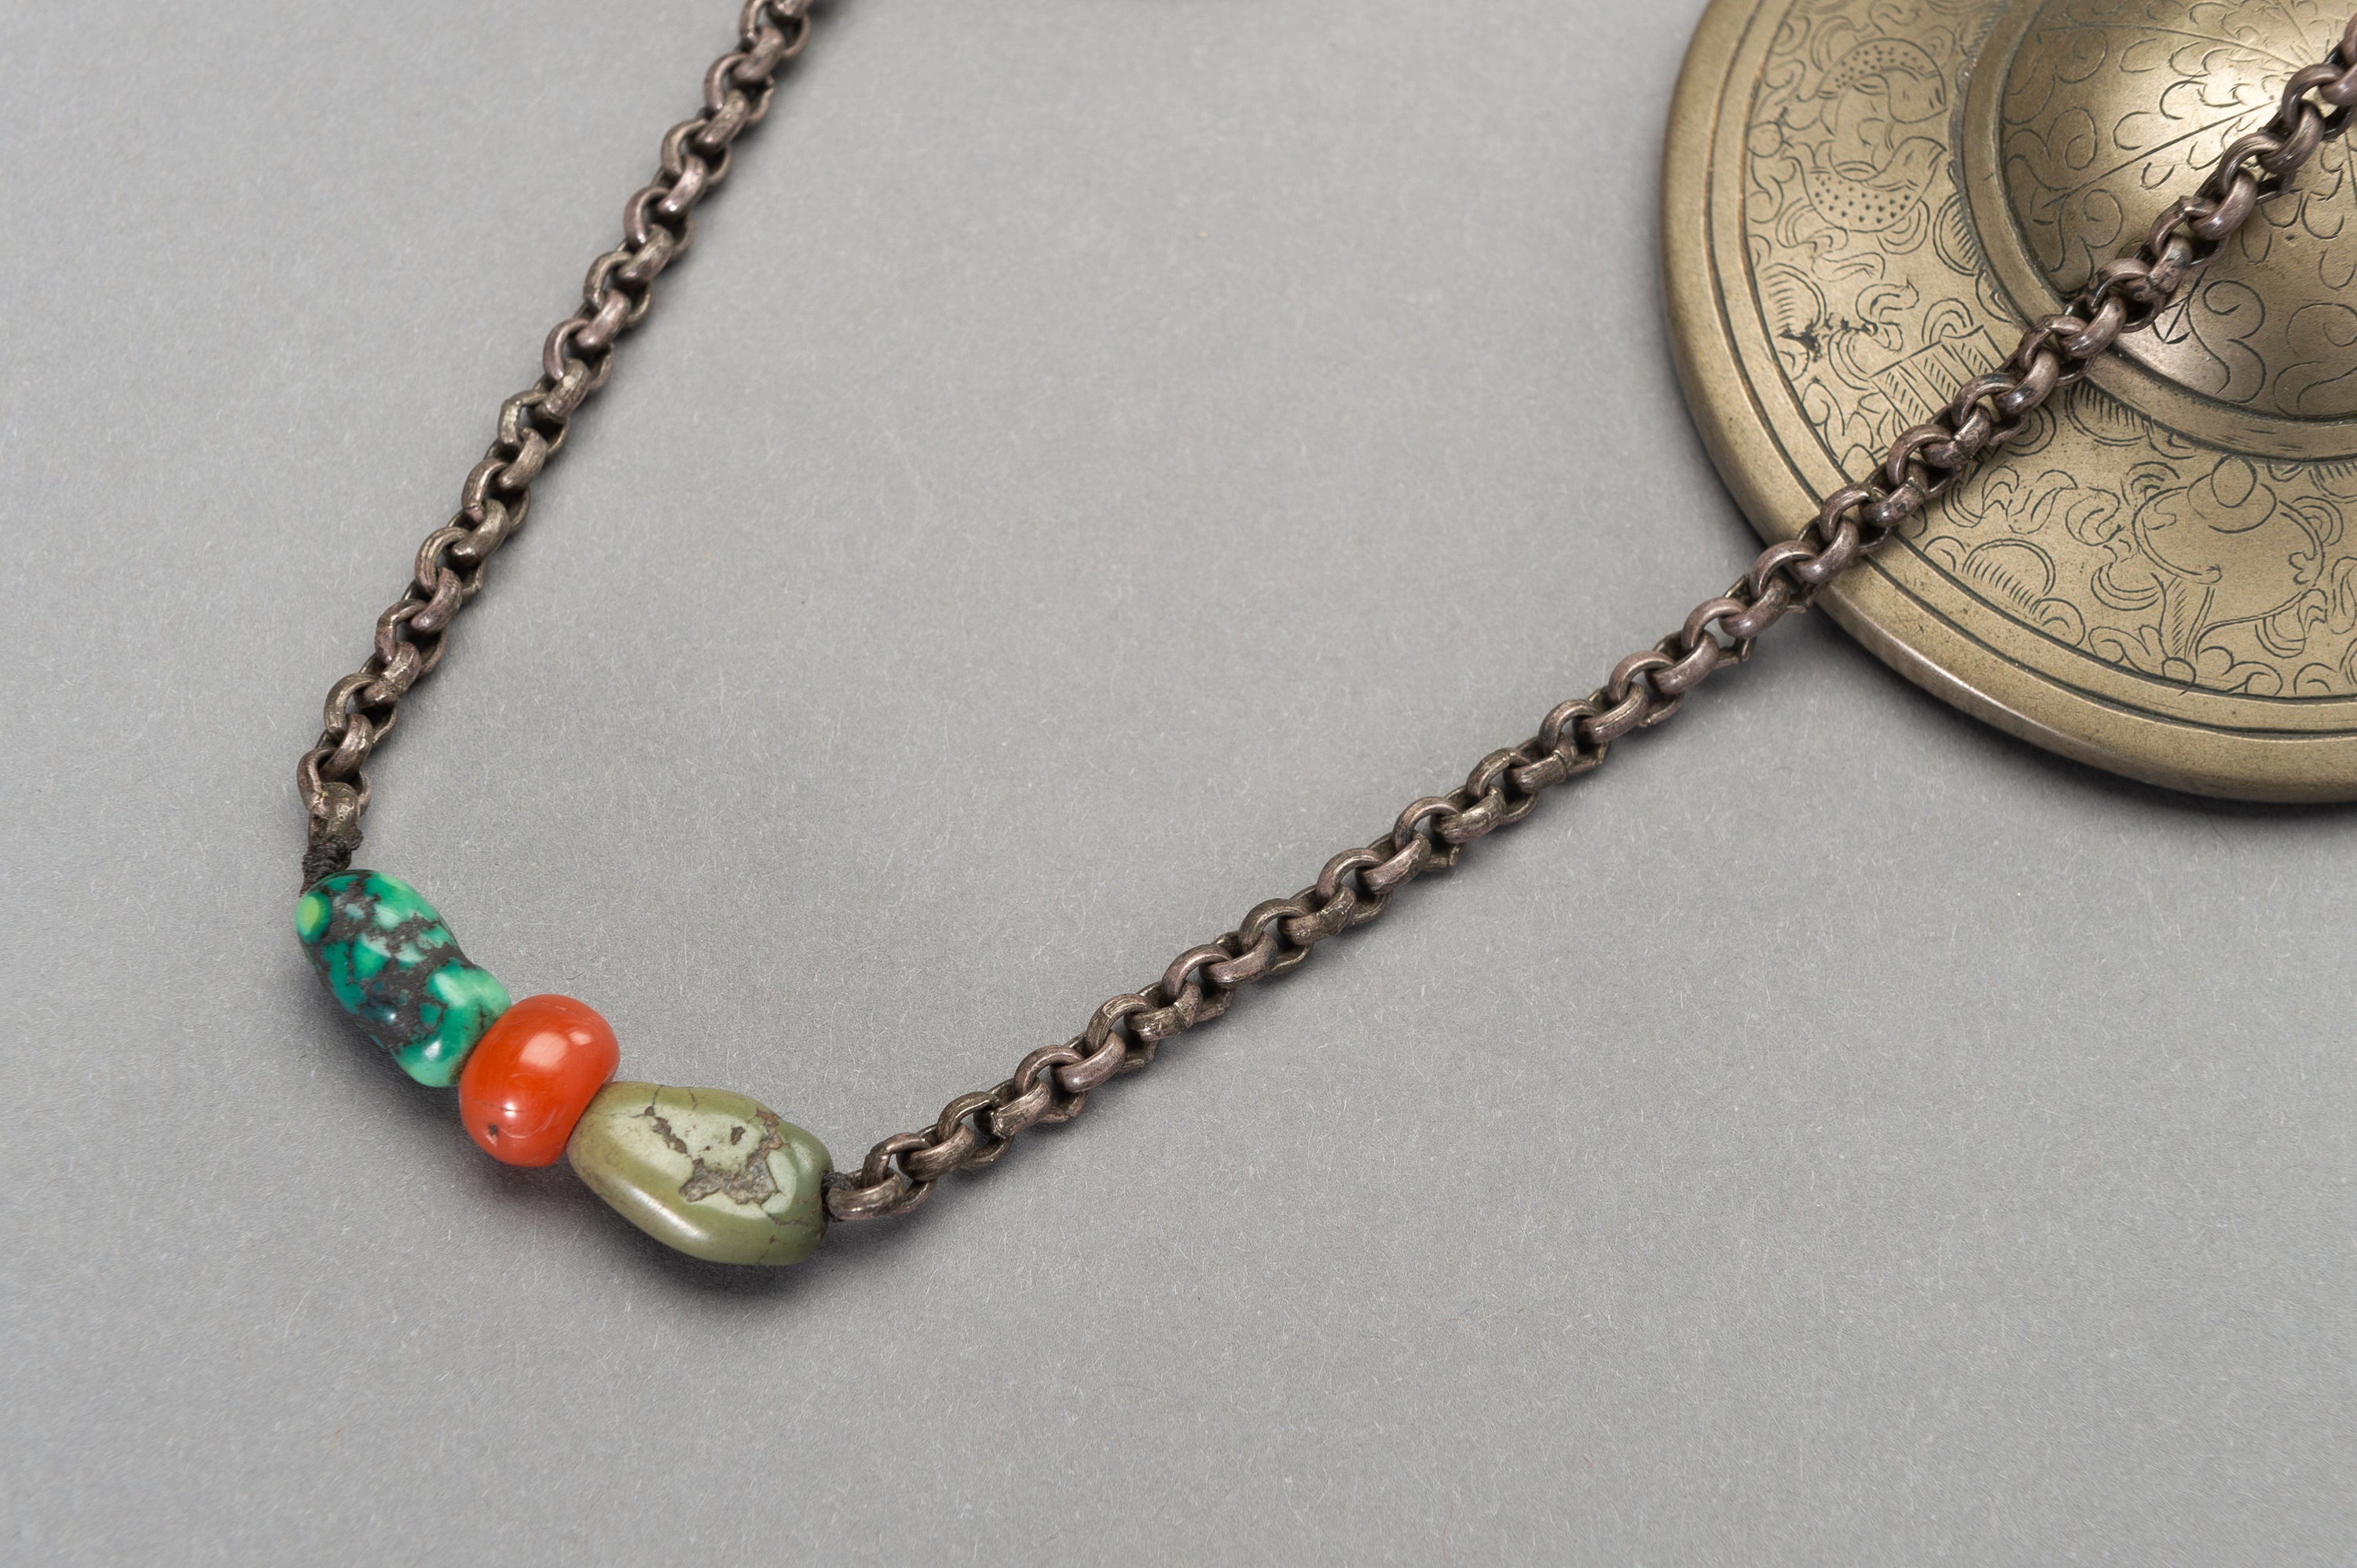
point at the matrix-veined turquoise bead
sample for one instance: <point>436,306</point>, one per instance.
<point>715,1175</point>
<point>385,955</point>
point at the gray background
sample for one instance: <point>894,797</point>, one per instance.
<point>1102,457</point>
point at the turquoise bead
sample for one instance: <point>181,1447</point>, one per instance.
<point>715,1175</point>
<point>386,957</point>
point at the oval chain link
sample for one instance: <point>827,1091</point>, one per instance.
<point>414,631</point>
<point>1643,689</point>
<point>1053,1083</point>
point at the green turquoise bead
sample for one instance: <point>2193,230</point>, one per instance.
<point>386,957</point>
<point>715,1175</point>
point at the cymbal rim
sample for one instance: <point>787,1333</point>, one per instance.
<point>1955,607</point>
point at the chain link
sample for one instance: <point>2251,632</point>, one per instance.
<point>1053,1083</point>
<point>413,632</point>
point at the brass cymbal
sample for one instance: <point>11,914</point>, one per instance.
<point>1863,201</point>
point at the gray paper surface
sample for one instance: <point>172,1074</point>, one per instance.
<point>1100,457</point>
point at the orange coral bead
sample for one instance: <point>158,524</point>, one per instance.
<point>532,1075</point>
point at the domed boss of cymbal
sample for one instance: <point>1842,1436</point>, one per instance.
<point>1863,201</point>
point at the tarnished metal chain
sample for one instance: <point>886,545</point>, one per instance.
<point>412,632</point>
<point>1052,1084</point>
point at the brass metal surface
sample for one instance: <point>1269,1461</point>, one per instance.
<point>1863,201</point>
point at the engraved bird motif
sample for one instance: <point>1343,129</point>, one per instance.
<point>1870,176</point>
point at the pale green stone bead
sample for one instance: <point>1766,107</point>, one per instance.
<point>715,1175</point>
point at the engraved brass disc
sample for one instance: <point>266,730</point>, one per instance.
<point>1863,201</point>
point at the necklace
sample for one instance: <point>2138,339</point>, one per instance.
<point>723,1178</point>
